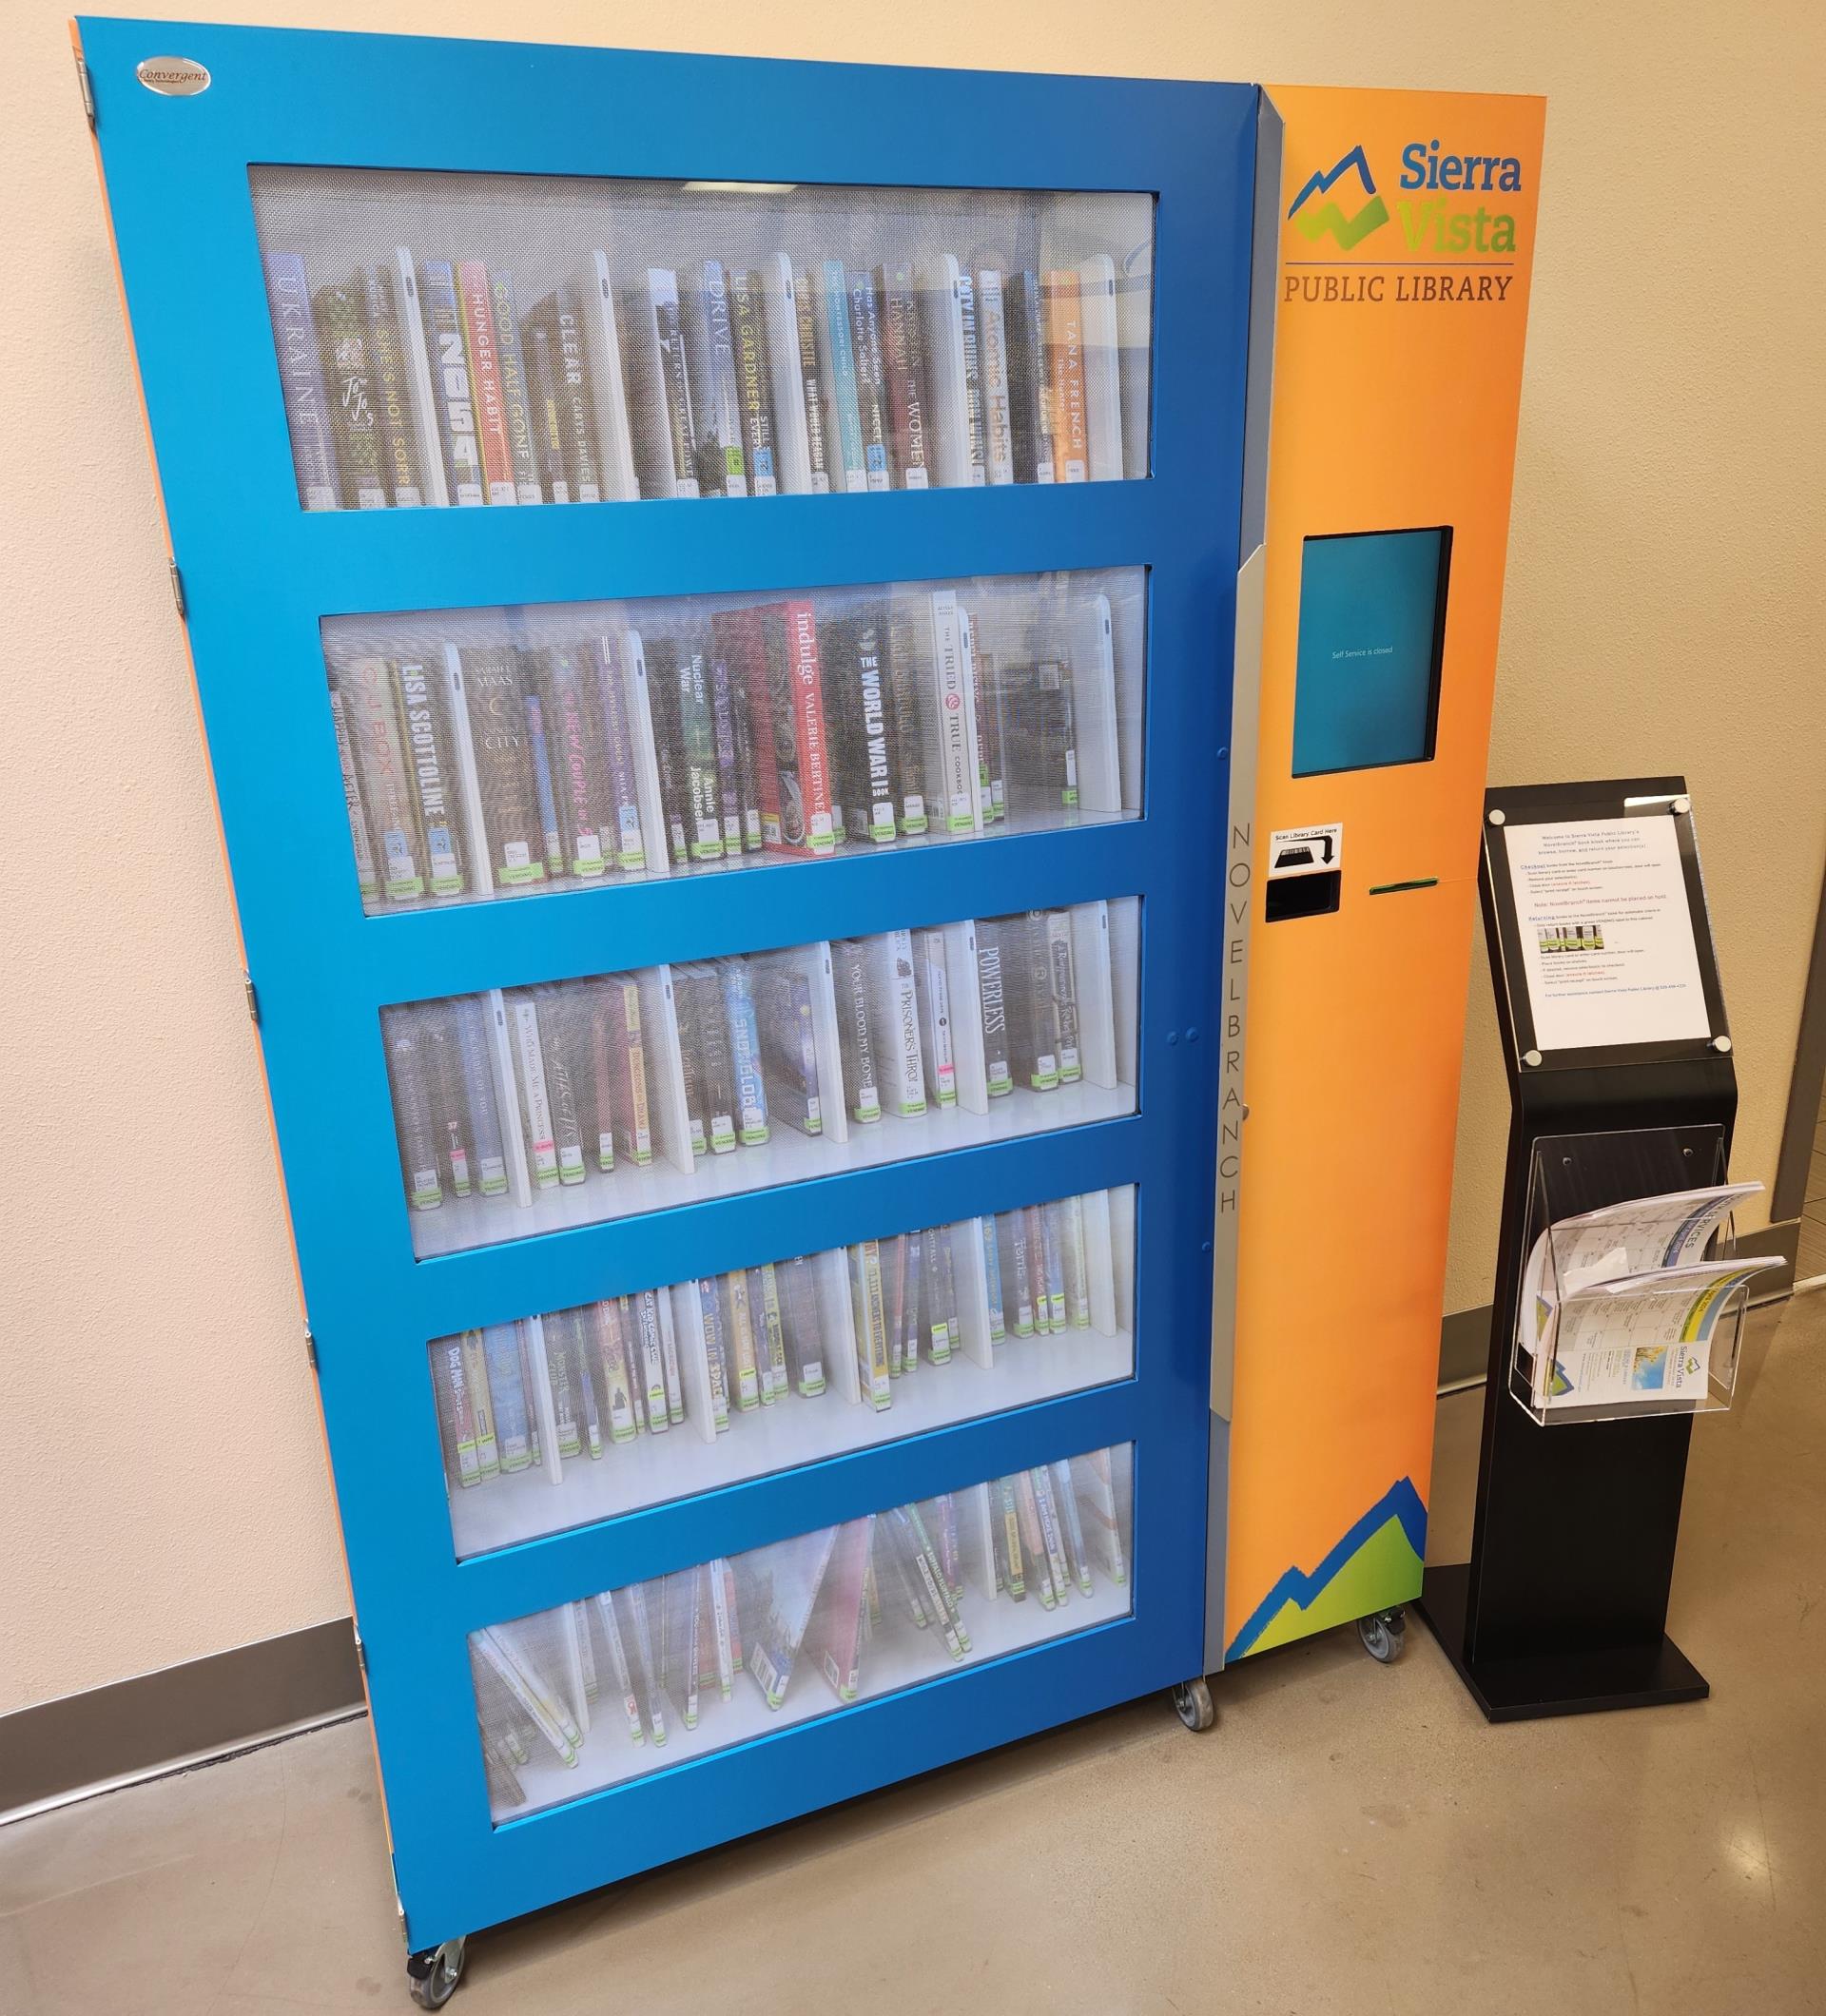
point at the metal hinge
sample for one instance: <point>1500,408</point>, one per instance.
<point>360,1654</point>
<point>177,593</point>
<point>86,88</point>
<point>310,1349</point>
<point>253,997</point>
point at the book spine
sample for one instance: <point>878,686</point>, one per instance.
<point>1020,1270</point>
<point>811,378</point>
<point>1010,1537</point>
<point>913,1293</point>
<point>535,1106</point>
<point>586,845</point>
<point>564,1066</point>
<point>623,806</point>
<point>946,1334</point>
<point>957,782</point>
<point>367,688</point>
<point>1065,359</point>
<point>1071,1526</point>
<point>366,876</point>
<point>548,413</point>
<point>845,427</point>
<point>637,1611</point>
<point>444,1084</point>
<point>933,992</point>
<point>674,380</point>
<point>1049,1531</point>
<point>804,1332</point>
<point>764,1296</point>
<point>669,1358</point>
<point>479,1095</point>
<point>743,1363</point>
<point>348,376</point>
<point>897,1024</point>
<point>602,1010</point>
<point>992,993</point>
<point>485,380</point>
<point>617,1385</point>
<point>450,376</point>
<point>856,1040</point>
<point>690,1048</point>
<point>973,404</point>
<point>504,767</point>
<point>427,752</point>
<point>871,1325</point>
<point>992,1278</point>
<point>715,1070</point>
<point>517,415</point>
<point>1051,1254</point>
<point>300,379</point>
<point>724,393</point>
<point>456,1416</point>
<point>904,362</point>
<point>716,1356</point>
<point>1064,993</point>
<point>877,816</point>
<point>563,1376</point>
<point>618,1664</point>
<point>539,750</point>
<point>650,1359</point>
<point>724,714</point>
<point>788,1053</point>
<point>990,757</point>
<point>1033,1539</point>
<point>1040,1017</point>
<point>392,389</point>
<point>583,468</point>
<point>745,1050</point>
<point>697,748</point>
<point>1029,381</point>
<point>412,1113</point>
<point>871,388</point>
<point>753,379</point>
<point>992,349</point>
<point>628,1043</point>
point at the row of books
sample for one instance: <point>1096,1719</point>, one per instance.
<point>499,1097</point>
<point>789,727</point>
<point>521,1399</point>
<point>412,381</point>
<point>804,1625</point>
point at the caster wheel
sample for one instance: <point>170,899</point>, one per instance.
<point>1192,1704</point>
<point>1384,1633</point>
<point>432,1976</point>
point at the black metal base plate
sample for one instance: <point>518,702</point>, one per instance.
<point>1554,1683</point>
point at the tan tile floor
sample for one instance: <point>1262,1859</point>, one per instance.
<point>1348,1838</point>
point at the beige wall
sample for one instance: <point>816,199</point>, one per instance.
<point>165,1495</point>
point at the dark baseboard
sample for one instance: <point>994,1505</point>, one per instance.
<point>184,1715</point>
<point>1464,1336</point>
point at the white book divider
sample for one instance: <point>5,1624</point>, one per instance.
<point>686,1300</point>
<point>1102,368</point>
<point>1091,652</point>
<point>539,1379</point>
<point>1124,929</point>
<point>507,1094</point>
<point>569,1663</point>
<point>596,294</point>
<point>479,853</point>
<point>410,339</point>
<point>978,1528</point>
<point>791,439</point>
<point>837,1322</point>
<point>1093,963</point>
<point>833,1096</point>
<point>1122,1209</point>
<point>1128,654</point>
<point>654,839</point>
<point>964,982</point>
<point>970,1270</point>
<point>1099,1261</point>
<point>664,1068</point>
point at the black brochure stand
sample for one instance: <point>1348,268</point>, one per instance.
<point>1561,1607</point>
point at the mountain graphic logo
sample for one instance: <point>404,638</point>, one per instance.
<point>1349,232</point>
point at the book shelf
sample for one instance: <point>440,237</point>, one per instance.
<point>769,1306</point>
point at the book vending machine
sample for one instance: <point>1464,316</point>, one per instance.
<point>736,986</point>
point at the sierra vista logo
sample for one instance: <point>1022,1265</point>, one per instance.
<point>1430,224</point>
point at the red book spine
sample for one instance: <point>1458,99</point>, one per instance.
<point>485,377</point>
<point>814,754</point>
<point>736,636</point>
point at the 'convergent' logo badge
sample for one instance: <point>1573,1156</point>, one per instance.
<point>1348,231</point>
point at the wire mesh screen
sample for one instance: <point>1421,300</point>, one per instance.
<point>482,339</point>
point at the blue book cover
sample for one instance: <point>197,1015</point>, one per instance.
<point>833,317</point>
<point>512,1431</point>
<point>744,1054</point>
<point>301,377</point>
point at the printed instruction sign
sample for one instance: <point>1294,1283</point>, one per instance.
<point>1305,850</point>
<point>1606,931</point>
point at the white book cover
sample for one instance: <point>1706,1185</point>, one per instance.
<point>1103,367</point>
<point>948,440</point>
<point>836,1320</point>
<point>1099,1261</point>
<point>608,383</point>
<point>952,731</point>
<point>966,1015</point>
<point>894,1009</point>
<point>411,337</point>
<point>791,437</point>
<point>668,1111</point>
<point>992,355</point>
<point>1093,707</point>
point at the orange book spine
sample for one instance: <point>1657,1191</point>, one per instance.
<point>1065,359</point>
<point>485,378</point>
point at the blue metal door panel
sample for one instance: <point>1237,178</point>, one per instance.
<point>260,575</point>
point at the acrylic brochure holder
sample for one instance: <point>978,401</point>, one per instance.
<point>1623,1096</point>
